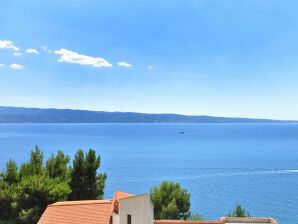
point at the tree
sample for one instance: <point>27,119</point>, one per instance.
<point>26,192</point>
<point>238,212</point>
<point>56,166</point>
<point>77,176</point>
<point>7,196</point>
<point>10,175</point>
<point>94,183</point>
<point>35,164</point>
<point>35,193</point>
<point>85,182</point>
<point>9,179</point>
<point>170,201</point>
<point>195,216</point>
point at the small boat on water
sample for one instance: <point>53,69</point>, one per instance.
<point>181,132</point>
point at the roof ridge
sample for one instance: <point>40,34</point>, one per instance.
<point>250,217</point>
<point>81,202</point>
<point>132,196</point>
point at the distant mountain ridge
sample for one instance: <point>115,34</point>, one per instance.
<point>37,115</point>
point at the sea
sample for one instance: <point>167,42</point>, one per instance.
<point>221,165</point>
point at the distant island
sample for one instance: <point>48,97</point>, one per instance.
<point>37,115</point>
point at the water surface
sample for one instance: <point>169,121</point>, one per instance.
<point>255,165</point>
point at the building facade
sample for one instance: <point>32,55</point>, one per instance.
<point>124,208</point>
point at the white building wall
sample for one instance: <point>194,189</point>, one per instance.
<point>116,218</point>
<point>139,207</point>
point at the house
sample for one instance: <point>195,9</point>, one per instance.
<point>124,208</point>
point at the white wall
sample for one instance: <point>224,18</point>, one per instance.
<point>116,219</point>
<point>139,207</point>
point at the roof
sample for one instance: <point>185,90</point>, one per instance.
<point>100,212</point>
<point>118,195</point>
<point>223,220</point>
<point>82,202</point>
<point>78,212</point>
<point>248,220</point>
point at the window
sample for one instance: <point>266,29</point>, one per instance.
<point>128,219</point>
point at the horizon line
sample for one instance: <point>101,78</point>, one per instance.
<point>152,113</point>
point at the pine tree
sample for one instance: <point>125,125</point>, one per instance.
<point>77,176</point>
<point>56,166</point>
<point>85,182</point>
<point>238,212</point>
<point>170,201</point>
<point>35,164</point>
<point>26,192</point>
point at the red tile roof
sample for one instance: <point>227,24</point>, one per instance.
<point>100,212</point>
<point>78,212</point>
<point>121,195</point>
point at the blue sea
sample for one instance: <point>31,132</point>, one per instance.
<point>255,165</point>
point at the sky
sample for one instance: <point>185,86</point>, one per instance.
<point>202,57</point>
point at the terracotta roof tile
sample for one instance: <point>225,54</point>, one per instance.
<point>121,195</point>
<point>82,202</point>
<point>78,212</point>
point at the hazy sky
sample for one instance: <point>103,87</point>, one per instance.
<point>224,58</point>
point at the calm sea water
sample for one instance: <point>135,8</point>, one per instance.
<point>255,165</point>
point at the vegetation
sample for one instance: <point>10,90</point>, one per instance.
<point>238,212</point>
<point>25,192</point>
<point>195,216</point>
<point>170,201</point>
<point>85,182</point>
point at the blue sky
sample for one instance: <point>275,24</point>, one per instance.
<point>223,58</point>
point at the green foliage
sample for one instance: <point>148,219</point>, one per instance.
<point>10,175</point>
<point>35,164</point>
<point>7,196</point>
<point>36,192</point>
<point>195,216</point>
<point>238,212</point>
<point>57,166</point>
<point>77,175</point>
<point>170,201</point>
<point>26,192</point>
<point>85,182</point>
<point>9,179</point>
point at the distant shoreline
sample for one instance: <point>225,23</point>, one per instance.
<point>23,115</point>
<point>290,122</point>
